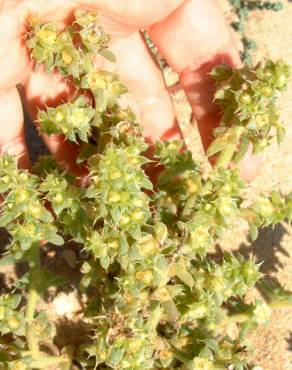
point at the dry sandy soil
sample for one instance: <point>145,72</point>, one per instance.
<point>271,344</point>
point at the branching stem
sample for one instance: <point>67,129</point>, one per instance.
<point>32,301</point>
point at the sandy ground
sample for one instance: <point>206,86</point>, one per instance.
<point>272,344</point>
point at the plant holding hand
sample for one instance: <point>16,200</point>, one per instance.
<point>155,299</point>
<point>175,27</point>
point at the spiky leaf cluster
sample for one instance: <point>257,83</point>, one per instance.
<point>72,50</point>
<point>23,211</point>
<point>70,119</point>
<point>155,298</point>
<point>247,99</point>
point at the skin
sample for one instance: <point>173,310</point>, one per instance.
<point>192,35</point>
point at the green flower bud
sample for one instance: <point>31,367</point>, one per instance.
<point>161,232</point>
<point>162,294</point>
<point>139,203</point>
<point>35,209</point>
<point>21,195</point>
<point>196,311</point>
<point>113,197</point>
<point>217,283</point>
<point>282,80</point>
<point>250,272</point>
<point>266,91</point>
<point>265,207</point>
<point>135,345</point>
<point>183,342</point>
<point>208,206</point>
<point>192,186</point>
<point>262,120</point>
<point>23,177</point>
<point>262,313</point>
<point>113,244</point>
<point>144,276</point>
<point>125,220</point>
<point>148,247</point>
<point>66,57</point>
<point>38,327</point>
<point>47,37</point>
<point>268,73</point>
<point>18,365</point>
<point>227,188</point>
<point>199,236</point>
<point>245,98</point>
<point>12,322</point>
<point>225,353</point>
<point>262,144</point>
<point>174,146</point>
<point>58,198</point>
<point>116,174</point>
<point>30,229</point>
<point>78,116</point>
<point>59,116</point>
<point>138,215</point>
<point>226,206</point>
<point>6,179</point>
<point>202,364</point>
<point>96,81</point>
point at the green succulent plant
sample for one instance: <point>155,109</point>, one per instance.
<point>247,98</point>
<point>156,298</point>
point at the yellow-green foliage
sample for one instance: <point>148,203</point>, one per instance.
<point>156,299</point>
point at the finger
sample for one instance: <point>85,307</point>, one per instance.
<point>200,87</point>
<point>12,139</point>
<point>142,75</point>
<point>148,94</point>
<point>41,90</point>
<point>15,62</point>
<point>14,59</point>
<point>194,39</point>
<point>139,14</point>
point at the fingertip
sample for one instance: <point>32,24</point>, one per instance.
<point>12,137</point>
<point>250,166</point>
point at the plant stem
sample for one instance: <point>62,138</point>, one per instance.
<point>284,303</point>
<point>32,301</point>
<point>244,316</point>
<point>226,156</point>
<point>41,361</point>
<point>31,304</point>
<point>239,317</point>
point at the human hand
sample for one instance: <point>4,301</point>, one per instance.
<point>191,35</point>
